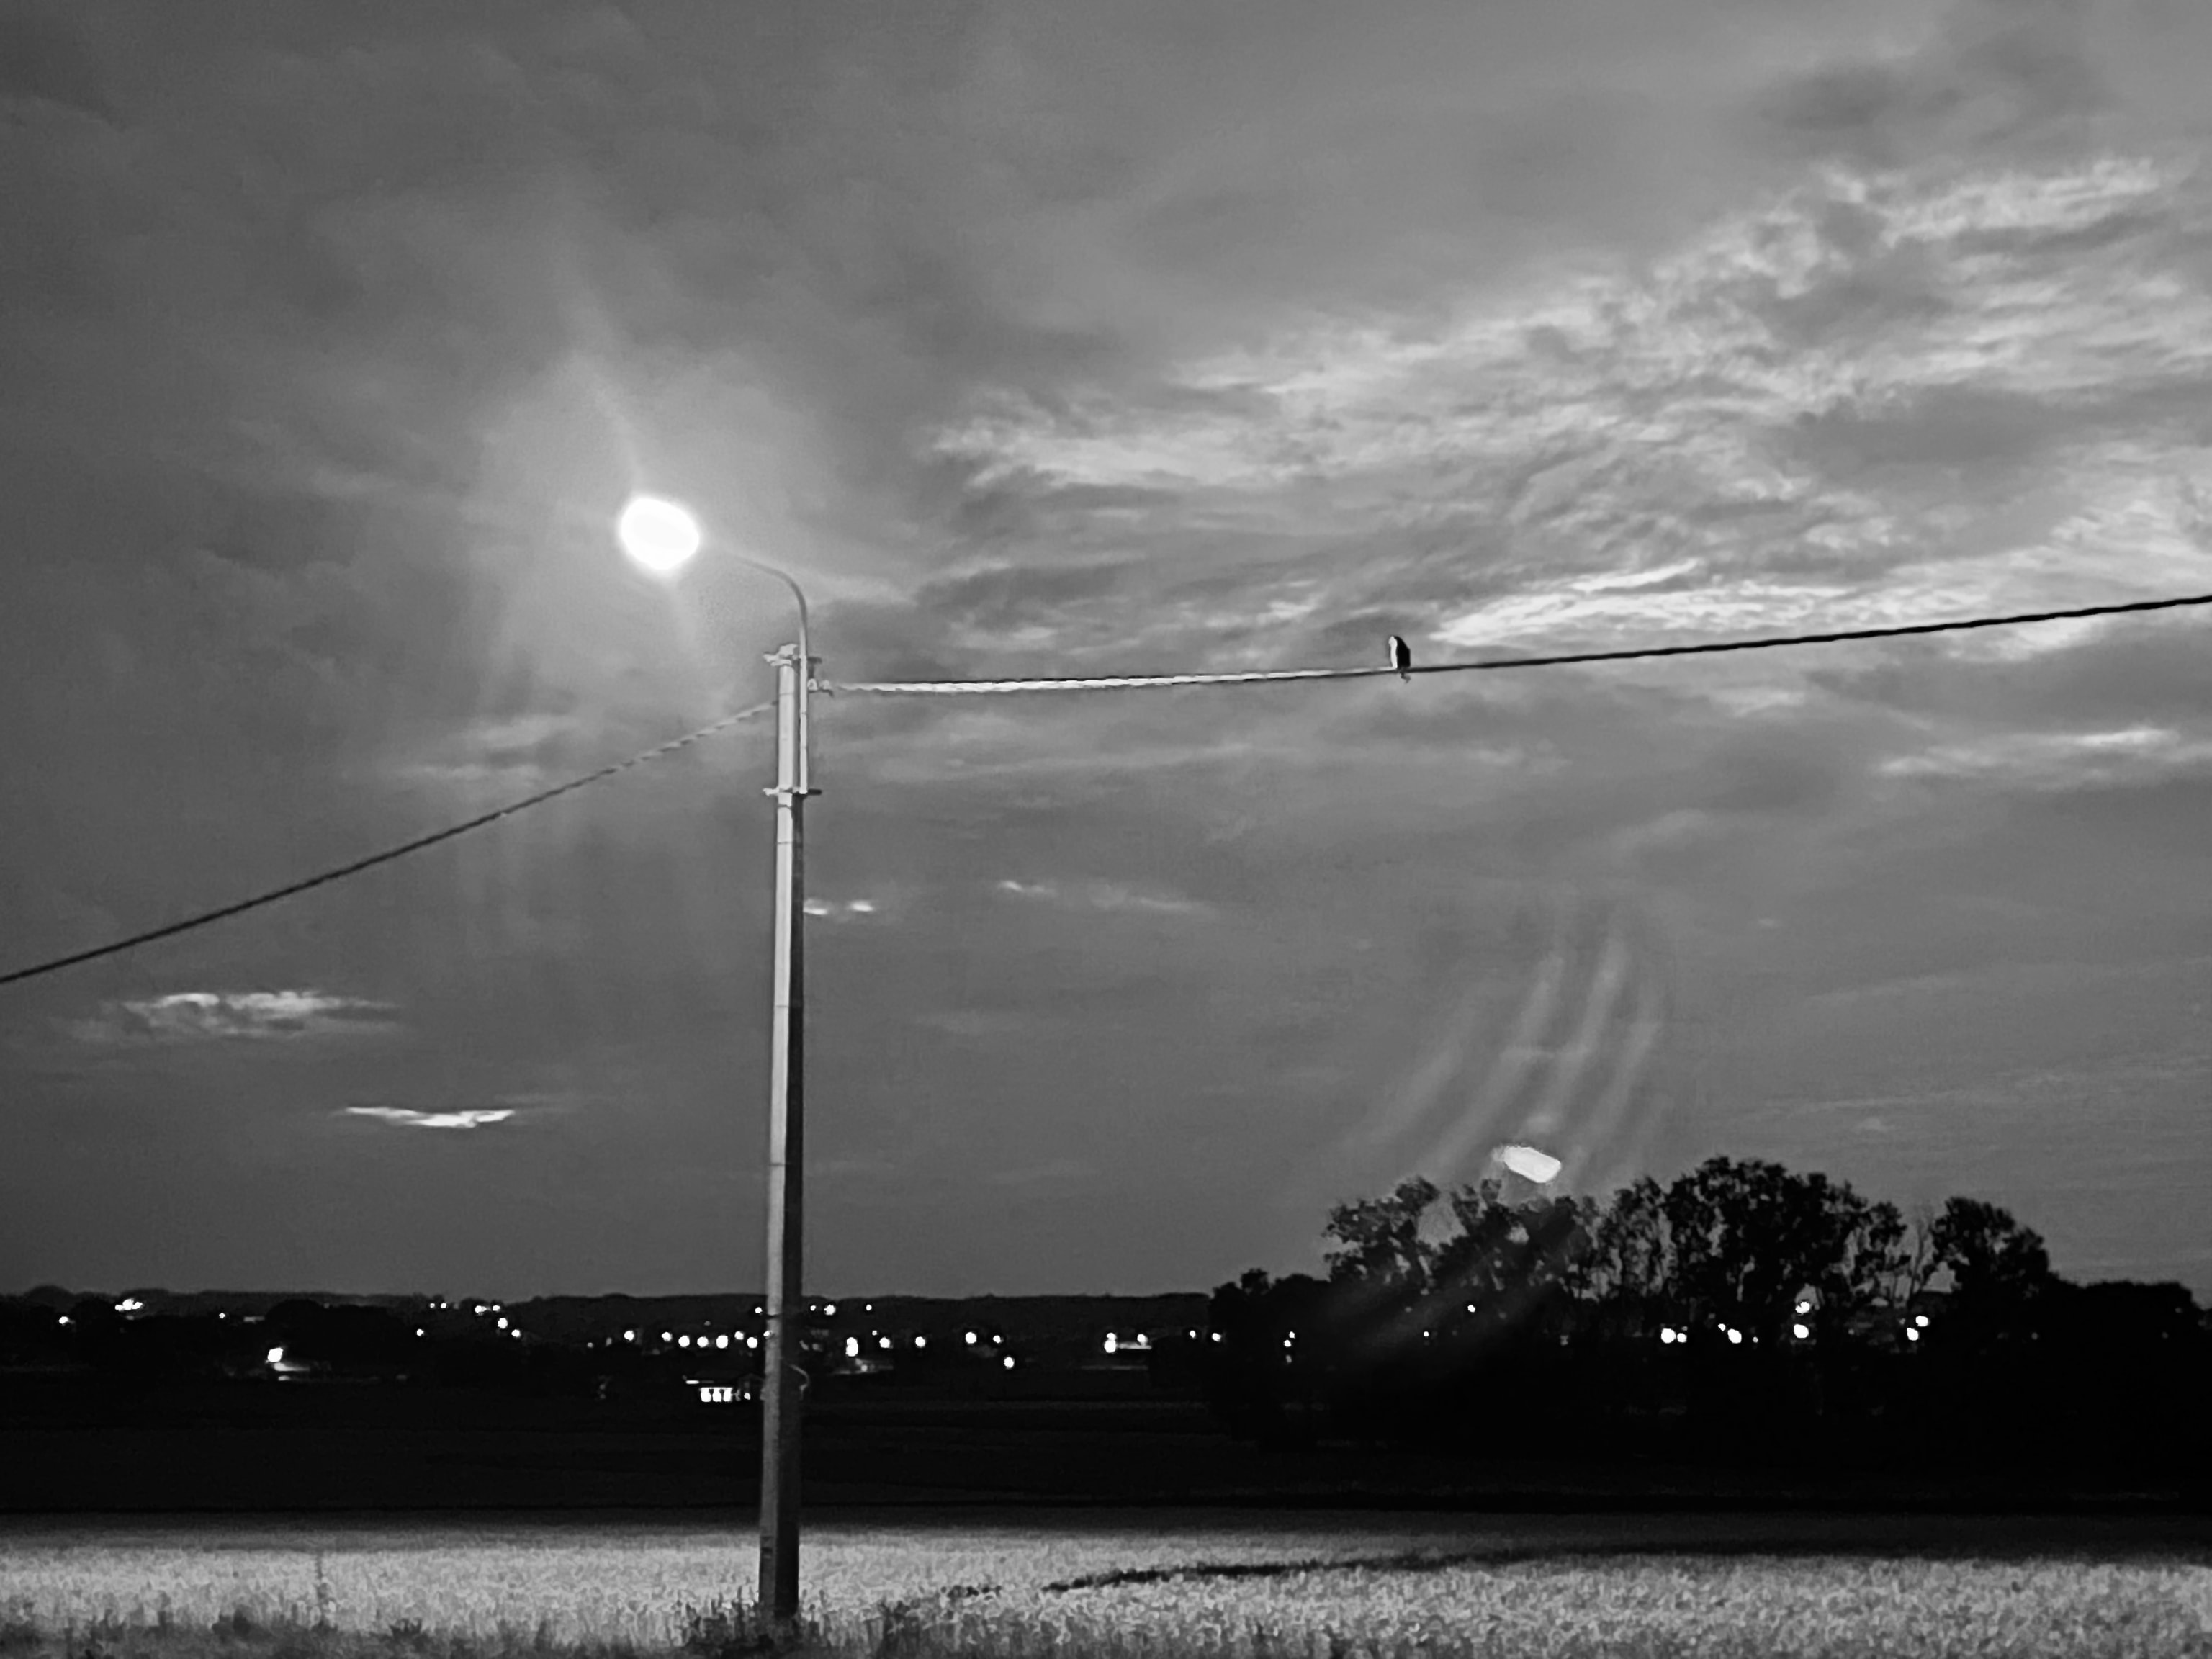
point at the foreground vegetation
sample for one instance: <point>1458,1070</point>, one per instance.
<point>1013,1592</point>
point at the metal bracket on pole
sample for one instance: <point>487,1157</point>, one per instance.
<point>801,739</point>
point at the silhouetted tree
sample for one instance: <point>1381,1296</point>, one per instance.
<point>1379,1239</point>
<point>1627,1271</point>
<point>1748,1236</point>
<point>1506,1264</point>
<point>2000,1270</point>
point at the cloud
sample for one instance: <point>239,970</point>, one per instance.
<point>1051,1172</point>
<point>300,1016</point>
<point>979,1024</point>
<point>1099,894</point>
<point>407,1117</point>
<point>2061,760</point>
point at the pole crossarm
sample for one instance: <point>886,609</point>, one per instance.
<point>1141,682</point>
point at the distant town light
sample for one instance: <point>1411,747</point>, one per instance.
<point>630,1336</point>
<point>1921,1319</point>
<point>1912,1336</point>
<point>1801,1331</point>
<point>921,1342</point>
<point>1666,1334</point>
<point>683,1341</point>
<point>63,1318</point>
<point>1112,1342</point>
<point>1804,1307</point>
<point>667,1336</point>
<point>276,1356</point>
<point>1217,1336</point>
<point>851,1347</point>
<point>971,1338</point>
<point>1735,1336</point>
<point>882,1342</point>
<point>830,1309</point>
<point>721,1341</point>
<point>1008,1361</point>
<point>752,1342</point>
<point>418,1330</point>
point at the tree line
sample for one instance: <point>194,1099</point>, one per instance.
<point>1741,1307</point>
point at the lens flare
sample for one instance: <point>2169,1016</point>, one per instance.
<point>1539,1167</point>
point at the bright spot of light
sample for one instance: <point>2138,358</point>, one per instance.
<point>682,1341</point>
<point>1912,1336</point>
<point>1801,1331</point>
<point>721,1341</point>
<point>276,1356</point>
<point>830,1308</point>
<point>658,533</point>
<point>503,1324</point>
<point>1921,1319</point>
<point>851,1347</point>
<point>971,1338</point>
<point>1735,1337</point>
<point>921,1342</point>
<point>1539,1167</point>
<point>1008,1361</point>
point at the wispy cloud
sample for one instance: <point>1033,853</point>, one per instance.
<point>409,1118</point>
<point>1099,895</point>
<point>213,1016</point>
<point>2060,760</point>
<point>1052,1172</point>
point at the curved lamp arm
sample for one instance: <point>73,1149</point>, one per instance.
<point>806,650</point>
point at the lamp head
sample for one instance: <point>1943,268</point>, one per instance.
<point>658,533</point>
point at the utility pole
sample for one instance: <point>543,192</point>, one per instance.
<point>786,1312</point>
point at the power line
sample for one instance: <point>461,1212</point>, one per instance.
<point>1136,681</point>
<point>1103,682</point>
<point>385,857</point>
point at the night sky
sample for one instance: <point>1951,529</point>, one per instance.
<point>1066,336</point>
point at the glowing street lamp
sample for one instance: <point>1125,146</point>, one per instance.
<point>662,536</point>
<point>659,534</point>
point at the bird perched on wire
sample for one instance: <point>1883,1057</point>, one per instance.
<point>1401,658</point>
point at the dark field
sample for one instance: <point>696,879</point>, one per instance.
<point>67,1448</point>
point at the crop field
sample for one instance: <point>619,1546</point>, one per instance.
<point>1256,1587</point>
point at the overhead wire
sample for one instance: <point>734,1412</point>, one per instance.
<point>384,857</point>
<point>1096,682</point>
<point>1135,682</point>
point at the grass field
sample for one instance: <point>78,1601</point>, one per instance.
<point>1256,1587</point>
